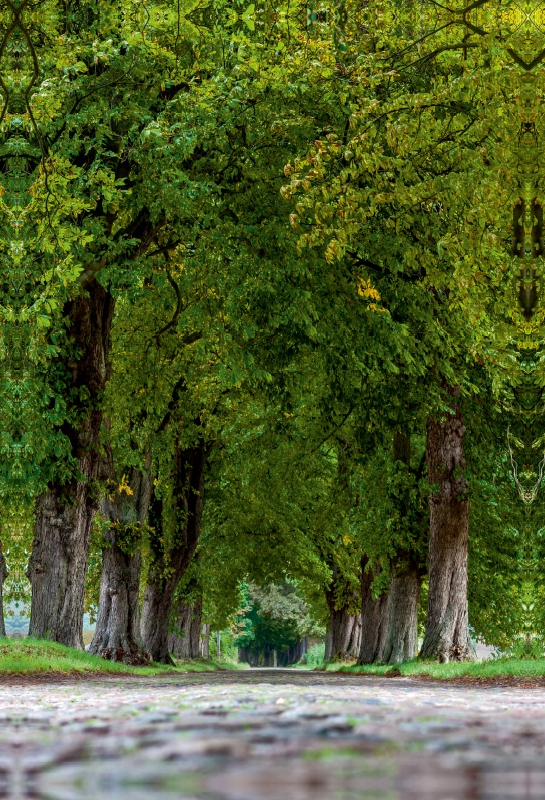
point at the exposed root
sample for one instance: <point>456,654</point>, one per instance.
<point>133,659</point>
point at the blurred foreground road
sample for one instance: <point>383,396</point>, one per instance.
<point>269,735</point>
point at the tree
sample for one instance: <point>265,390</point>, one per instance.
<point>447,628</point>
<point>168,565</point>
<point>123,514</point>
<point>278,621</point>
<point>400,200</point>
<point>176,325</point>
<point>103,177</point>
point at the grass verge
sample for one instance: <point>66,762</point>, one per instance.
<point>35,656</point>
<point>490,671</point>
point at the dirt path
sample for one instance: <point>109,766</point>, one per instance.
<point>270,735</point>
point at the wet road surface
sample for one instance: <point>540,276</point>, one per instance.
<point>270,735</point>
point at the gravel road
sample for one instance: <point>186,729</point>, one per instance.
<point>269,735</point>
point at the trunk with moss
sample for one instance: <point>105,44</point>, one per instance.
<point>407,570</point>
<point>169,565</point>
<point>345,625</point>
<point>184,642</point>
<point>65,512</point>
<point>402,627</point>
<point>374,617</point>
<point>184,638</point>
<point>124,510</point>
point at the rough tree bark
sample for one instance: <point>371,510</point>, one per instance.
<point>447,631</point>
<point>66,511</point>
<point>185,641</point>
<point>402,628</point>
<point>374,618</point>
<point>407,571</point>
<point>344,633</point>
<point>345,625</point>
<point>168,566</point>
<point>355,645</point>
<point>117,634</point>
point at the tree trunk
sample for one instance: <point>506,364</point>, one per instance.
<point>374,618</point>
<point>345,633</point>
<point>185,642</point>
<point>168,566</point>
<point>345,625</point>
<point>355,644</point>
<point>117,635</point>
<point>3,576</point>
<point>66,511</point>
<point>447,631</point>
<point>407,571</point>
<point>402,629</point>
<point>328,646</point>
<point>205,641</point>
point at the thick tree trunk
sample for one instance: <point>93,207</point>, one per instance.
<point>155,618</point>
<point>374,619</point>
<point>66,511</point>
<point>344,624</point>
<point>447,631</point>
<point>355,645</point>
<point>167,568</point>
<point>185,642</point>
<point>402,629</point>
<point>117,634</point>
<point>58,563</point>
<point>345,633</point>
<point>407,570</point>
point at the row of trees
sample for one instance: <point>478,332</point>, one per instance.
<point>259,319</point>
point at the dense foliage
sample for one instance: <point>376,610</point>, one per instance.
<point>254,257</point>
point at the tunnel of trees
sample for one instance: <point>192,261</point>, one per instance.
<point>272,337</point>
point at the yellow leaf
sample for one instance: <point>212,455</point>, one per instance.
<point>367,290</point>
<point>124,486</point>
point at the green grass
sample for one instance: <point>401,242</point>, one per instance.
<point>35,656</point>
<point>491,668</point>
<point>18,656</point>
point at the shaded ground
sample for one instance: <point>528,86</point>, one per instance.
<point>269,734</point>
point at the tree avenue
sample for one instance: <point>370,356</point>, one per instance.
<point>272,327</point>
